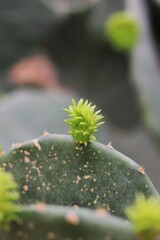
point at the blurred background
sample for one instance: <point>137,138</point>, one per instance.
<point>53,50</point>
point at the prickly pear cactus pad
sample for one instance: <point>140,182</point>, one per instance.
<point>44,222</point>
<point>54,169</point>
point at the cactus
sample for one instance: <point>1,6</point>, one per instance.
<point>8,197</point>
<point>54,169</point>
<point>44,222</point>
<point>83,121</point>
<point>58,177</point>
<point>145,218</point>
<point>122,31</point>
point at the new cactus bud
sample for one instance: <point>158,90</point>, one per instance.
<point>8,197</point>
<point>83,121</point>
<point>145,217</point>
<point>122,31</point>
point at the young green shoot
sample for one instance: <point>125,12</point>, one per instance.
<point>83,121</point>
<point>144,215</point>
<point>121,31</point>
<point>8,198</point>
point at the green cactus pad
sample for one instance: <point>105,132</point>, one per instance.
<point>55,170</point>
<point>44,222</point>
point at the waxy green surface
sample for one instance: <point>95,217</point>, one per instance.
<point>55,170</point>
